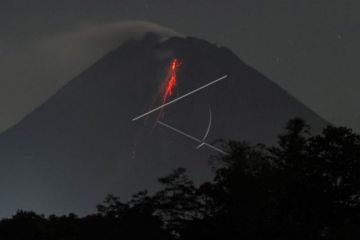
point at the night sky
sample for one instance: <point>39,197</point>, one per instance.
<point>308,47</point>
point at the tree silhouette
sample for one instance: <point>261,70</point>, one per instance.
<point>305,187</point>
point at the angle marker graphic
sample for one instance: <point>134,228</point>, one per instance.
<point>180,132</point>
<point>179,98</point>
<point>191,137</point>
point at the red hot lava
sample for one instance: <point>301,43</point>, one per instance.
<point>171,80</point>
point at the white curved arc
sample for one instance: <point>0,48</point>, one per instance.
<point>209,125</point>
<point>207,130</point>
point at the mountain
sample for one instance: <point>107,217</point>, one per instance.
<point>82,144</point>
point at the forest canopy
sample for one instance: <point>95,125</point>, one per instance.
<point>305,187</point>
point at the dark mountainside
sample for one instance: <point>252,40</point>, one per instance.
<point>81,144</point>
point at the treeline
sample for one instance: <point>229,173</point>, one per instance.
<point>306,187</point>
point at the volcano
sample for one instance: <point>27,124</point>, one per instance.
<point>82,144</point>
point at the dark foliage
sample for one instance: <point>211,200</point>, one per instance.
<point>307,187</point>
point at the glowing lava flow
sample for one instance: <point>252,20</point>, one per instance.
<point>171,82</point>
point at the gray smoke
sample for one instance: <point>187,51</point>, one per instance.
<point>31,74</point>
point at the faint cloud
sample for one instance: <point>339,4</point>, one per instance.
<point>33,74</point>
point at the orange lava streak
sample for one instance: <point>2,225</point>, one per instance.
<point>171,82</point>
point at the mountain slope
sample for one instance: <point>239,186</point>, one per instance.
<point>81,144</point>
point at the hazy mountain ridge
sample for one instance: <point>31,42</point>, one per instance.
<point>81,144</point>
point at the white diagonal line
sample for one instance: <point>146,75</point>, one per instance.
<point>179,98</point>
<point>191,137</point>
<point>180,132</point>
<point>215,148</point>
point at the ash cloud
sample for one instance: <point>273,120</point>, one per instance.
<point>31,74</point>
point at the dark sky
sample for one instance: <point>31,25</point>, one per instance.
<point>309,47</point>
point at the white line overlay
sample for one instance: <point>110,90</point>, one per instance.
<point>192,138</point>
<point>179,98</point>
